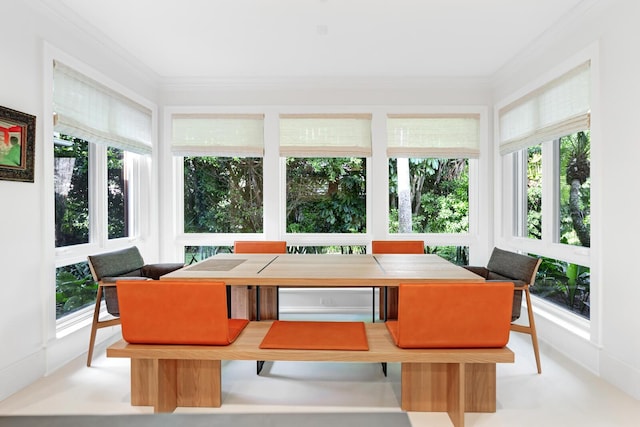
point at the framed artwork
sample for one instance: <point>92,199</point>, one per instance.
<point>17,142</point>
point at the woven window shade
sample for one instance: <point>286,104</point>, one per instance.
<point>91,111</point>
<point>433,135</point>
<point>325,135</point>
<point>224,135</point>
<point>560,107</point>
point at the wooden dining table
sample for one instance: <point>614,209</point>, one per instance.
<point>320,270</point>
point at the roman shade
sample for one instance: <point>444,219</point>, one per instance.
<point>433,135</point>
<point>325,135</point>
<point>224,135</point>
<point>96,113</point>
<point>558,108</point>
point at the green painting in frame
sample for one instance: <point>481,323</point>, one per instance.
<point>17,141</point>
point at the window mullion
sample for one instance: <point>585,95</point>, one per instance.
<point>550,196</point>
<point>98,197</point>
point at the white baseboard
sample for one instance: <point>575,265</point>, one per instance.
<point>22,373</point>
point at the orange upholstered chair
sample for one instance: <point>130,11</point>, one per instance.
<point>453,315</point>
<point>176,312</point>
<point>394,247</point>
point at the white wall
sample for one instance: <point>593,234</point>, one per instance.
<point>29,347</point>
<point>613,349</point>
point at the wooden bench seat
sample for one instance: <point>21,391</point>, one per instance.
<point>432,380</point>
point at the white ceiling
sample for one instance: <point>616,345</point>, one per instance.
<point>319,38</point>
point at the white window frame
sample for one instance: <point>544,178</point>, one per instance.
<point>274,208</point>
<point>138,173</point>
<point>548,246</point>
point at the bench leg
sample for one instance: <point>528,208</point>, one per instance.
<point>199,383</point>
<point>454,388</point>
<point>166,384</point>
<point>166,393</point>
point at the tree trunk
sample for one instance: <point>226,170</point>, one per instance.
<point>577,216</point>
<point>404,196</point>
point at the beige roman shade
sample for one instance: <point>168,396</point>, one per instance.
<point>558,108</point>
<point>325,135</point>
<point>96,113</point>
<point>433,135</point>
<point>223,135</point>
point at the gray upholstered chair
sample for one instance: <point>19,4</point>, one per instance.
<point>108,267</point>
<point>521,270</point>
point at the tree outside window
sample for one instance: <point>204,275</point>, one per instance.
<point>326,195</point>
<point>434,198</point>
<point>71,186</point>
<point>223,195</point>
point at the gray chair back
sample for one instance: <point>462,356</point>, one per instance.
<point>124,262</point>
<point>513,265</point>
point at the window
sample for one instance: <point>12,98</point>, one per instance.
<point>429,158</point>
<point>528,192</point>
<point>117,194</point>
<point>428,195</point>
<point>71,186</point>
<point>99,139</point>
<point>326,171</point>
<point>545,138</point>
<point>75,288</point>
<point>223,195</point>
<point>222,171</point>
<point>326,195</point>
<point>574,190</point>
<point>564,284</point>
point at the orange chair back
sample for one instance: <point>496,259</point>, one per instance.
<point>260,247</point>
<point>397,246</point>
<point>176,312</point>
<point>453,315</point>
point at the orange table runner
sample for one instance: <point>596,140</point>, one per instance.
<point>308,335</point>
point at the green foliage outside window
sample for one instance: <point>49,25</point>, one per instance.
<point>564,284</point>
<point>326,195</point>
<point>75,288</point>
<point>534,192</point>
<point>439,195</point>
<point>575,189</point>
<point>117,200</point>
<point>559,282</point>
<point>223,195</point>
<point>71,191</point>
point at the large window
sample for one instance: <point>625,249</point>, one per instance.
<point>222,166</point>
<point>100,137</point>
<point>546,141</point>
<point>429,156</point>
<point>326,171</point>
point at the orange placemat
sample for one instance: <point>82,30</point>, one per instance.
<point>303,335</point>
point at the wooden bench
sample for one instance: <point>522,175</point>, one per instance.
<point>432,380</point>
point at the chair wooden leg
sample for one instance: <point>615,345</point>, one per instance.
<point>94,325</point>
<point>530,329</point>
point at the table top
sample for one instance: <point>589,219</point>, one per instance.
<point>327,270</point>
